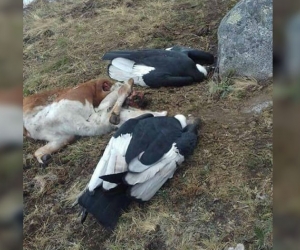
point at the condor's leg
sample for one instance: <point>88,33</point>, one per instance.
<point>43,154</point>
<point>123,93</point>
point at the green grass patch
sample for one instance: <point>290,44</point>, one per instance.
<point>61,64</point>
<point>62,42</point>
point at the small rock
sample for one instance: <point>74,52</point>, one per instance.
<point>129,4</point>
<point>238,247</point>
<point>223,167</point>
<point>48,33</point>
<point>203,31</point>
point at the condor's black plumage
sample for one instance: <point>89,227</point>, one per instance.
<point>198,56</point>
<point>140,157</point>
<point>176,66</point>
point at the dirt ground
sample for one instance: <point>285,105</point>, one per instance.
<point>220,196</point>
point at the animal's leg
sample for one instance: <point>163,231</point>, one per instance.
<point>108,102</point>
<point>43,154</point>
<point>123,93</point>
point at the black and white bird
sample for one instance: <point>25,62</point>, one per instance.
<point>175,66</point>
<point>140,157</point>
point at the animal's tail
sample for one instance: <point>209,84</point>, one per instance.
<point>105,206</point>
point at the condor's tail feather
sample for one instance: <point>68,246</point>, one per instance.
<point>105,206</point>
<point>198,56</point>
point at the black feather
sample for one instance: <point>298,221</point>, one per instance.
<point>113,178</point>
<point>188,140</point>
<point>106,207</point>
<point>154,137</point>
<point>128,126</point>
<point>198,56</point>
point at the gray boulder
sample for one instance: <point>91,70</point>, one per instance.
<point>245,40</point>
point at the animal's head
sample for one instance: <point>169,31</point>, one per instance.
<point>102,89</point>
<point>137,99</point>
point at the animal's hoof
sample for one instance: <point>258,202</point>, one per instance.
<point>130,82</point>
<point>114,119</point>
<point>46,159</point>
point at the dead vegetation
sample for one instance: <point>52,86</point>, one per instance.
<point>221,196</point>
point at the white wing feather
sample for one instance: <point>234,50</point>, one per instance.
<point>112,162</point>
<point>122,69</point>
<point>145,191</point>
<point>137,167</point>
<point>100,168</point>
<point>148,182</point>
<point>123,64</point>
<point>118,74</point>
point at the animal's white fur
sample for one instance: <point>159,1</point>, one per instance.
<point>60,121</point>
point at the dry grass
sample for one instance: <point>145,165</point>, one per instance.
<point>221,196</point>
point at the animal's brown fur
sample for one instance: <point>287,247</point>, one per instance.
<point>93,91</point>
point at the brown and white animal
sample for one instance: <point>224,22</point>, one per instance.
<point>89,109</point>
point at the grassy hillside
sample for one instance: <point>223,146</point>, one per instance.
<point>222,195</point>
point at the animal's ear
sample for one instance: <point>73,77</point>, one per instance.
<point>103,85</point>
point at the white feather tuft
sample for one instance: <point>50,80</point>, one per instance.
<point>181,119</point>
<point>201,69</point>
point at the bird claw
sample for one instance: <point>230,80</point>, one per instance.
<point>75,203</point>
<point>84,215</point>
